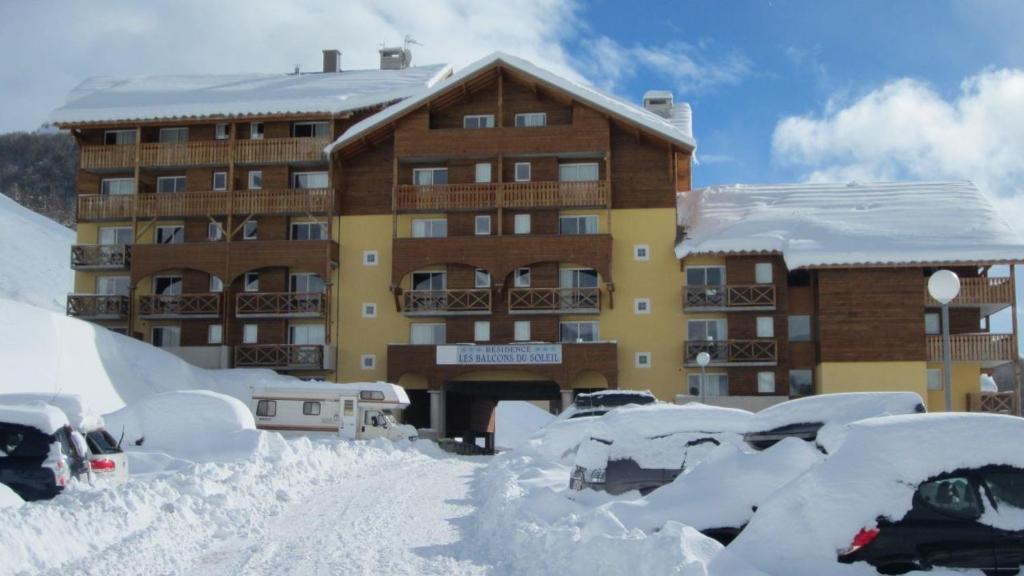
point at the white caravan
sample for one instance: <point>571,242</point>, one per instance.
<point>357,411</point>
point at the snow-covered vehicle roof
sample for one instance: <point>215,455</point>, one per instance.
<point>392,393</point>
<point>652,420</point>
<point>836,409</point>
<point>115,99</point>
<point>43,417</point>
<point>600,402</point>
<point>820,225</point>
<point>79,414</point>
<point>873,474</point>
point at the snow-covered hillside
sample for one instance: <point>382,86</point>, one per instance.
<point>35,257</point>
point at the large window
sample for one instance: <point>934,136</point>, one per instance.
<point>799,328</point>
<point>251,282</point>
<point>478,121</point>
<point>221,131</point>
<point>119,137</point>
<point>705,275</point>
<point>578,172</point>
<point>577,278</point>
<point>215,334</point>
<point>167,285</point>
<point>766,382</point>
<point>429,228</point>
<point>522,331</point>
<point>255,179</point>
<point>573,225</point>
<point>311,130</point>
<point>763,272</point>
<point>429,176</point>
<point>715,384</point>
<point>432,281</point>
<point>110,235</point>
<point>256,131</point>
<point>801,382</point>
<point>250,333</point>
<point>704,330</point>
<point>531,120</point>
<point>170,184</point>
<point>164,336</point>
<point>431,334</point>
<point>578,332</point>
<point>113,285</point>
<point>173,135</point>
<point>306,282</point>
<point>523,172</point>
<point>482,331</point>
<point>309,180</point>
<point>117,186</point>
<point>765,327</point>
<point>307,334</point>
<point>522,224</point>
<point>932,323</point>
<point>482,173</point>
<point>170,234</point>
<point>309,231</point>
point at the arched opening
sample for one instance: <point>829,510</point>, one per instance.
<point>471,400</point>
<point>447,288</point>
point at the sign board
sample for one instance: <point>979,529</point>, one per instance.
<point>488,355</point>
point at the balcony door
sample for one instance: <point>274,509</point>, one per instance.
<point>586,172</point>
<point>114,235</point>
<point>429,281</point>
<point>306,283</point>
<point>310,180</point>
<point>577,278</point>
<point>113,285</point>
<point>167,285</point>
<point>704,330</point>
<point>705,275</point>
<point>577,288</point>
<point>307,334</point>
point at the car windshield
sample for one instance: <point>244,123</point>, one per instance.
<point>1006,485</point>
<point>23,442</point>
<point>101,442</point>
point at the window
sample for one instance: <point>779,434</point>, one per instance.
<point>113,285</point>
<point>642,360</point>
<point>429,228</point>
<point>1006,486</point>
<point>216,284</point>
<point>432,281</point>
<point>256,131</point>
<point>252,282</point>
<point>309,231</point>
<point>703,330</point>
<point>220,181</point>
<point>932,323</point>
<point>173,135</point>
<point>310,408</point>
<point>572,225</point>
<point>214,334</point>
<point>117,186</point>
<point>578,172</point>
<point>521,278</point>
<point>578,332</point>
<point>954,496</point>
<point>801,382</point>
<point>431,334</point>
<point>705,275</point>
<point>368,361</point>
<point>370,257</point>
<point>522,224</point>
<point>481,331</point>
<point>478,121</point>
<point>170,184</point>
<point>307,334</point>
<point>482,225</point>
<point>483,173</point>
<point>167,285</point>
<point>429,176</point>
<point>935,379</point>
<point>763,272</point>
<point>369,310</point>
<point>531,120</point>
<point>641,252</point>
<point>766,382</point>
<point>306,283</point>
<point>255,179</point>
<point>221,132</point>
<point>119,137</point>
<point>716,384</point>
<point>250,230</point>
<point>765,327</point>
<point>110,235</point>
<point>523,172</point>
<point>166,336</point>
<point>642,306</point>
<point>799,278</point>
<point>214,231</point>
<point>799,328</point>
<point>310,180</point>
<point>522,331</point>
<point>266,408</point>
<point>311,130</point>
<point>481,278</point>
<point>170,234</point>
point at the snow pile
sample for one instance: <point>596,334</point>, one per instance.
<point>80,415</point>
<point>516,421</point>
<point>849,224</point>
<point>988,384</point>
<point>559,440</point>
<point>35,258</point>
<point>42,417</point>
<point>874,473</point>
<point>8,499</point>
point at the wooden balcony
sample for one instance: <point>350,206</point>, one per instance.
<point>97,207</point>
<point>554,301</point>
<point>279,202</point>
<point>984,348</point>
<point>97,306</point>
<point>280,305</point>
<point>101,256</point>
<point>197,153</point>
<point>454,197</point>
<point>982,292</point>
<point>100,157</point>
<point>280,150</point>
<point>204,153</point>
<point>993,402</point>
<point>763,352</point>
<point>285,356</point>
<point>712,298</point>
<point>184,306</point>
<point>446,302</point>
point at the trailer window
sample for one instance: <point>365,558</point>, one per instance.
<point>311,408</point>
<point>267,408</point>
<point>371,395</point>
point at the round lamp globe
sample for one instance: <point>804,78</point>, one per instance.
<point>944,286</point>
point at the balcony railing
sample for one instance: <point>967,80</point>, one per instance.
<point>446,302</point>
<point>984,348</point>
<point>98,306</point>
<point>101,256</point>
<point>204,153</point>
<point>108,157</point>
<point>197,153</point>
<point>719,297</point>
<point>995,402</point>
<point>282,356</point>
<point>159,306</point>
<point>588,194</point>
<point>272,150</point>
<point>554,301</point>
<point>979,291</point>
<point>287,201</point>
<point>280,305</point>
<point>762,352</point>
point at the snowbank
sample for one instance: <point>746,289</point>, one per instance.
<point>42,417</point>
<point>8,499</point>
<point>559,440</point>
<point>988,384</point>
<point>516,421</point>
<point>35,257</point>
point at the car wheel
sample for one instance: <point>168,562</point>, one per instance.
<point>898,568</point>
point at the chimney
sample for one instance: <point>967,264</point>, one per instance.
<point>395,58</point>
<point>332,60</point>
<point>662,103</point>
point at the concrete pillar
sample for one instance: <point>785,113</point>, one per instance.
<point>566,399</point>
<point>437,412</point>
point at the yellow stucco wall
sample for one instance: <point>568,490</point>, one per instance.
<point>832,377</point>
<point>966,378</point>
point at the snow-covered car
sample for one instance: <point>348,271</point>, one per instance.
<point>821,418</point>
<point>39,452</point>
<point>901,493</point>
<point>601,402</point>
<point>644,447</point>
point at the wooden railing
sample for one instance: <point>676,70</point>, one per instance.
<point>974,291</point>
<point>502,195</point>
<point>270,150</point>
<point>984,347</point>
<point>97,306</point>
<point>749,297</point>
<point>995,402</point>
<point>554,300</point>
<point>197,153</point>
<point>445,302</point>
<point>280,305</point>
<point>108,157</point>
<point>733,352</point>
<point>180,306</point>
<point>105,206</point>
<point>204,153</point>
<point>292,356</point>
<point>101,256</point>
<point>285,201</point>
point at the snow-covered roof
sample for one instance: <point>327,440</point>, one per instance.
<point>112,99</point>
<point>586,94</point>
<point>393,393</point>
<point>43,417</point>
<point>817,225</point>
<point>650,420</point>
<point>79,414</point>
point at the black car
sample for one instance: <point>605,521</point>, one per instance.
<point>601,402</point>
<point>37,465</point>
<point>945,526</point>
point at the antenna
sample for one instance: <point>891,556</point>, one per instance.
<point>410,41</point>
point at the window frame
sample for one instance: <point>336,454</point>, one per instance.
<point>116,133</point>
<point>104,284</point>
<point>518,275</point>
<point>177,227</point>
<point>479,273</point>
<point>938,386</point>
<point>594,324</point>
<point>216,285</point>
<point>478,178</point>
<point>266,408</point>
<point>642,306</point>
<point>246,283</point>
<point>313,124</point>
<point>433,171</point>
<point>477,220</point>
<point>210,235</point>
<point>308,408</point>
<point>174,280</point>
<point>431,274</point>
<point>436,328</point>
<point>176,330</point>
<point>762,322</point>
<point>642,252</point>
<point>217,329</point>
<point>372,364</point>
<point>309,226</point>
<point>428,227</point>
<point>305,330</point>
<point>526,119</point>
<point>172,130</point>
<point>792,386</point>
<point>254,232</point>
<point>723,324</point>
<point>642,360</point>
<point>222,187</point>
<point>368,309</point>
<point>106,186</point>
<point>218,134</point>
<point>250,333</point>
<point>482,331</point>
<point>789,328</point>
<point>296,176</point>
<point>579,219</point>
<point>176,178</point>
<point>371,258</point>
<point>256,130</point>
<point>719,377</point>
<point>117,231</point>
<point>490,123</point>
<point>251,177</point>
<point>704,270</point>
<point>577,165</point>
<point>759,271</point>
<point>519,218</point>
<point>763,382</point>
<point>937,318</point>
<point>517,328</point>
<point>529,172</point>
<point>293,278</point>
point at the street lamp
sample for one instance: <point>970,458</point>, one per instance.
<point>944,286</point>
<point>702,360</point>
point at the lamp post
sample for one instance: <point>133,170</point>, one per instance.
<point>944,286</point>
<point>702,360</point>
